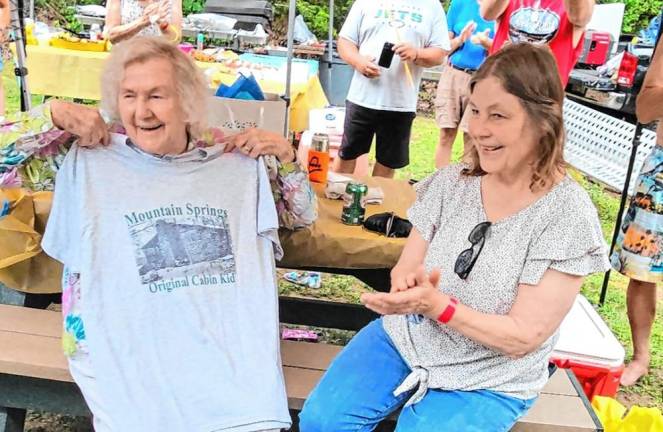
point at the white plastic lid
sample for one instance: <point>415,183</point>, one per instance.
<point>585,338</point>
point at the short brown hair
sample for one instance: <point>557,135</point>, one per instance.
<point>530,73</point>
<point>190,82</point>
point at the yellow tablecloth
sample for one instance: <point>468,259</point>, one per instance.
<point>76,74</point>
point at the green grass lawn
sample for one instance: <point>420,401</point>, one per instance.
<point>424,139</point>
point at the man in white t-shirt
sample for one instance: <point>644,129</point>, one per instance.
<point>382,100</point>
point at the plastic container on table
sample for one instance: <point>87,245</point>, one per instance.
<point>79,45</point>
<point>329,121</point>
<point>589,348</point>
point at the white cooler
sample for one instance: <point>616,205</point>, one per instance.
<point>589,348</point>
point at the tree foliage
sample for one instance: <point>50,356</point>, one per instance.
<point>637,15</point>
<point>316,14</point>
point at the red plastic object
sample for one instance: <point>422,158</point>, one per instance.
<point>595,380</point>
<point>597,48</point>
<point>627,69</point>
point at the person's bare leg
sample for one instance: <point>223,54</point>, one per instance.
<point>344,166</point>
<point>641,307</point>
<point>444,147</point>
<point>380,170</point>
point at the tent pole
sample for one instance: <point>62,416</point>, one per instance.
<point>330,47</point>
<point>622,205</point>
<point>291,27</point>
<point>629,172</point>
<point>20,70</point>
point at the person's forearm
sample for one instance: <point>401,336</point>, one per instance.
<point>499,332</point>
<point>648,104</point>
<point>348,51</point>
<point>579,11</point>
<point>124,31</point>
<point>412,256</point>
<point>429,57</point>
<point>491,10</point>
<point>534,316</point>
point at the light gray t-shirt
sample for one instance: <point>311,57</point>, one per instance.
<point>560,231</point>
<point>371,23</point>
<point>177,288</point>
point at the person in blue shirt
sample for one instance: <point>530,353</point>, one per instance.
<point>471,38</point>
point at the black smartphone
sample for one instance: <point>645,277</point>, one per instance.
<point>387,55</point>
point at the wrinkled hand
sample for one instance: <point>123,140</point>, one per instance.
<point>367,67</point>
<point>402,281</point>
<point>156,12</point>
<point>405,51</point>
<point>257,142</point>
<point>481,38</point>
<point>422,298</point>
<point>84,122</point>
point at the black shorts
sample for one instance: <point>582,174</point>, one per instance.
<point>391,129</point>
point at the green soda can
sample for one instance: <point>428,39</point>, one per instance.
<point>355,204</point>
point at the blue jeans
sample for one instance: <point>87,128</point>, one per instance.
<point>356,393</point>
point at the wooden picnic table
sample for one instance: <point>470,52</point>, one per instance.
<point>332,247</point>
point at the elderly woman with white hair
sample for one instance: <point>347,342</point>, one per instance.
<point>168,242</point>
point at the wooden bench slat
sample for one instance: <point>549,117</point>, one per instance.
<point>308,355</point>
<point>30,321</point>
<point>560,384</point>
<point>33,356</point>
<point>299,383</point>
<point>546,413</point>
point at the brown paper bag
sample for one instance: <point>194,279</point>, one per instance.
<point>23,264</point>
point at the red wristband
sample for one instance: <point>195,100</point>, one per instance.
<point>448,311</point>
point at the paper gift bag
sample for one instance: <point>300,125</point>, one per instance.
<point>235,115</point>
<point>23,264</point>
